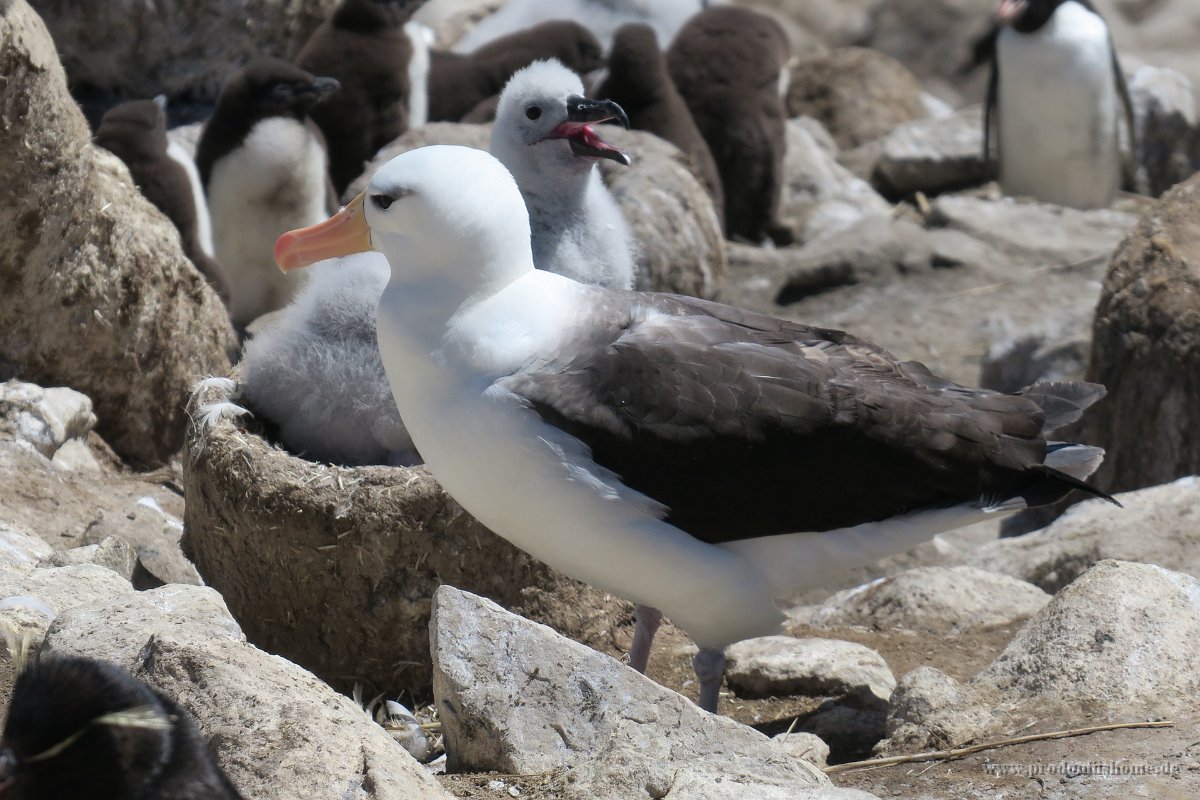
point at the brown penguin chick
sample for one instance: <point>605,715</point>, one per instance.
<point>136,133</point>
<point>639,82</point>
<point>364,46</point>
<point>726,63</point>
<point>88,730</point>
<point>458,83</point>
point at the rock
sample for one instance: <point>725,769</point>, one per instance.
<point>95,292</point>
<point>783,665</point>
<point>680,247</point>
<point>113,553</point>
<point>1013,364</point>
<point>938,600</point>
<point>858,94</point>
<point>34,598</point>
<point>154,535</point>
<point>672,217</point>
<point>515,697</point>
<point>1159,525</point>
<point>934,155</point>
<point>1146,349</point>
<point>334,567</point>
<point>46,419</point>
<point>20,550</point>
<point>820,196</point>
<point>182,49</point>
<point>1164,107</point>
<point>1120,642</point>
<point>808,746</point>
<point>1062,233</point>
<point>276,730</point>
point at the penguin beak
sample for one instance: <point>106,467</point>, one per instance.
<point>579,134</point>
<point>1010,10</point>
<point>343,234</point>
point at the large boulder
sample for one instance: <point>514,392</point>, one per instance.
<point>277,731</point>
<point>858,94</point>
<point>138,49</point>
<point>1146,349</point>
<point>95,292</point>
<point>934,155</point>
<point>515,697</point>
<point>1119,643</point>
<point>334,567</point>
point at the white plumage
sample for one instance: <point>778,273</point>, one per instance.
<point>316,372</point>
<point>578,229</point>
<point>276,180</point>
<point>1058,111</point>
<point>204,232</point>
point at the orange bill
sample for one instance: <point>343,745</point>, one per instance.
<point>343,234</point>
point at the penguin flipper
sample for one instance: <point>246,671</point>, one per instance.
<point>1129,161</point>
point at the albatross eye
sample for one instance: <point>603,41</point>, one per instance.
<point>382,201</point>
<point>533,112</point>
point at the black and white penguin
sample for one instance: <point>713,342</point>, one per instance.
<point>727,63</point>
<point>1055,100</point>
<point>264,166</point>
<point>365,46</point>
<point>136,132</point>
<point>458,83</point>
<point>89,730</point>
<point>638,81</point>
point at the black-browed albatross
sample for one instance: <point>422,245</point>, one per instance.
<point>689,456</point>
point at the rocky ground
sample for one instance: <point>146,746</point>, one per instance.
<point>260,589</point>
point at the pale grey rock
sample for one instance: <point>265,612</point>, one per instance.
<point>806,746</point>
<point>1120,641</point>
<point>31,599</point>
<point>934,155</point>
<point>1159,525</point>
<point>513,696</point>
<point>114,553</point>
<point>1164,107</point>
<point>938,600</point>
<point>1065,233</point>
<point>117,628</point>
<point>783,665</point>
<point>75,456</point>
<point>45,419</point>
<point>277,731</point>
<point>154,535</point>
<point>20,550</point>
<point>820,196</point>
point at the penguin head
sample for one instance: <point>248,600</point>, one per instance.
<point>136,129</point>
<point>571,43</point>
<point>82,729</point>
<point>369,16</point>
<point>271,87</point>
<point>1026,16</point>
<point>635,59</point>
<point>544,124</point>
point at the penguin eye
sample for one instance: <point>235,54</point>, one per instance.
<point>533,112</point>
<point>382,201</point>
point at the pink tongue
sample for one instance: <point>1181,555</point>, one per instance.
<point>586,135</point>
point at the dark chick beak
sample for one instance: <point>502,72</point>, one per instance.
<point>583,109</point>
<point>584,141</point>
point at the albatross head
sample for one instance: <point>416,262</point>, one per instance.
<point>448,213</point>
<point>544,124</point>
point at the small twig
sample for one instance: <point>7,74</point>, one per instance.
<point>991,287</point>
<point>958,752</point>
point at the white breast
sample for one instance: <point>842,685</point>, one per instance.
<point>274,182</point>
<point>1058,111</point>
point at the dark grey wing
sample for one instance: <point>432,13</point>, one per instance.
<point>1133,157</point>
<point>745,428</point>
